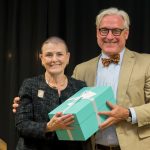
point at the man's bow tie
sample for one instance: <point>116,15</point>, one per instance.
<point>113,59</point>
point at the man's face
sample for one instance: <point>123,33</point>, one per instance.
<point>112,41</point>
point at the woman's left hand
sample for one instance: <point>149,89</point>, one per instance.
<point>60,121</point>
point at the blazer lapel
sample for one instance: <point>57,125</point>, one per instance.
<point>125,74</point>
<point>93,71</point>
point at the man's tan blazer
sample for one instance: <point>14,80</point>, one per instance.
<point>133,91</point>
<point>3,145</point>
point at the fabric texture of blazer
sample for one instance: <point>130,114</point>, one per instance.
<point>3,145</point>
<point>133,91</point>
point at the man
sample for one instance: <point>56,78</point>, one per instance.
<point>3,145</point>
<point>128,123</point>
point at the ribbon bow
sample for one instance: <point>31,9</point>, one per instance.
<point>113,59</point>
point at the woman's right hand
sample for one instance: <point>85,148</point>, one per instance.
<point>60,121</point>
<point>15,104</point>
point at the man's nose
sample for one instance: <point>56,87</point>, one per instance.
<point>110,35</point>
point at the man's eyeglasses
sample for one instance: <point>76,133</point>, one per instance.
<point>115,31</point>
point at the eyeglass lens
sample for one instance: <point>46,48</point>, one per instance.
<point>115,31</point>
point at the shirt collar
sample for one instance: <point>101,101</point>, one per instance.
<point>103,55</point>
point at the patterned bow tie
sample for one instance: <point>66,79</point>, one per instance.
<point>113,59</point>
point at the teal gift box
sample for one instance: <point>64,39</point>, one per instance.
<point>84,105</point>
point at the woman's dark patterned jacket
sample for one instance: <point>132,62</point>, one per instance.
<point>37,100</point>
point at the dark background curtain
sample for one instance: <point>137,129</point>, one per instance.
<point>25,24</point>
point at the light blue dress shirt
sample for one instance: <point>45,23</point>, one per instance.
<point>108,76</point>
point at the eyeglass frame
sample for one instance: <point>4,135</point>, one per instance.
<point>112,31</point>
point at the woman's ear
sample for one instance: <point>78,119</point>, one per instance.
<point>40,57</point>
<point>68,54</point>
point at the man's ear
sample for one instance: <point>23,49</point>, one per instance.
<point>126,34</point>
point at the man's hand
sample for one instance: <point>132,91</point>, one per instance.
<point>15,104</point>
<point>117,114</point>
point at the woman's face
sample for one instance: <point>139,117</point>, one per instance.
<point>54,58</point>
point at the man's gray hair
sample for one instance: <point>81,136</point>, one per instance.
<point>113,11</point>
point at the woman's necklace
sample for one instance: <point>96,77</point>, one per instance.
<point>60,85</point>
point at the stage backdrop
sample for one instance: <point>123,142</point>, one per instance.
<point>25,24</point>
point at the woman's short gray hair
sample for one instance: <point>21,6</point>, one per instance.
<point>113,11</point>
<point>55,40</point>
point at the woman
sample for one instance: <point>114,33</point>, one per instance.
<point>41,94</point>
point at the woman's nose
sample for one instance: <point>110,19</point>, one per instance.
<point>54,58</point>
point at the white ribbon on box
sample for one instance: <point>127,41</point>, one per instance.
<point>88,95</point>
